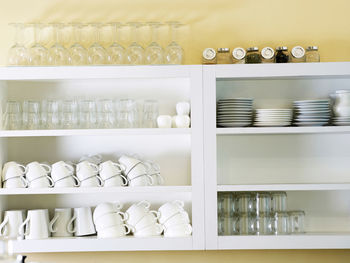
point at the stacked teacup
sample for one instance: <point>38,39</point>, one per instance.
<point>136,171</point>
<point>175,219</point>
<point>87,173</point>
<point>143,222</point>
<point>62,175</point>
<point>182,119</point>
<point>111,174</point>
<point>37,175</point>
<point>110,221</point>
<point>13,175</point>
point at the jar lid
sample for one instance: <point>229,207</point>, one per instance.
<point>250,49</point>
<point>238,53</point>
<point>314,48</point>
<point>298,52</point>
<point>282,48</point>
<point>267,53</point>
<point>209,53</point>
<point>223,49</point>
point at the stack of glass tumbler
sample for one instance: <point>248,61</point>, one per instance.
<point>257,213</point>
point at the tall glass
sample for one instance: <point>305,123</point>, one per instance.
<point>154,53</point>
<point>150,114</point>
<point>13,118</point>
<point>78,53</point>
<point>39,54</point>
<point>87,114</point>
<point>59,55</point>
<point>105,113</point>
<point>135,54</point>
<point>53,114</point>
<point>174,54</point>
<point>18,53</point>
<point>33,115</point>
<point>116,51</point>
<point>69,114</point>
<point>97,53</point>
<point>127,114</point>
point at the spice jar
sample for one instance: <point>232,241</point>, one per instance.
<point>253,56</point>
<point>282,55</point>
<point>209,56</point>
<point>224,56</point>
<point>312,54</point>
<point>238,55</point>
<point>268,55</point>
<point>298,54</point>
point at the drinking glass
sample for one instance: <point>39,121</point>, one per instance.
<point>116,51</point>
<point>33,115</point>
<point>150,114</point>
<point>69,114</point>
<point>39,54</point>
<point>135,53</point>
<point>154,53</point>
<point>296,222</point>
<point>105,112</point>
<point>127,114</point>
<point>13,120</point>
<point>97,53</point>
<point>43,114</point>
<point>281,223</point>
<point>18,53</point>
<point>279,201</point>
<point>263,224</point>
<point>224,225</point>
<point>245,204</point>
<point>59,55</point>
<point>53,114</point>
<point>24,114</point>
<point>174,54</point>
<point>246,224</point>
<point>263,202</point>
<point>87,114</point>
<point>78,53</point>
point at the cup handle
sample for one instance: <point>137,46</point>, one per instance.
<point>77,181</point>
<point>23,168</point>
<point>151,182</point>
<point>124,216</point>
<point>144,203</point>
<point>21,230</point>
<point>3,224</point>
<point>161,179</point>
<point>189,229</point>
<point>25,182</point>
<point>94,166</point>
<point>70,227</point>
<point>52,222</point>
<point>125,180</point>
<point>179,203</point>
<point>160,229</point>
<point>100,181</point>
<point>69,167</point>
<point>51,182</point>
<point>46,167</point>
<point>128,229</point>
<point>156,213</point>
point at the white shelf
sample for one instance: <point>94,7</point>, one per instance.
<point>85,244</point>
<point>93,132</point>
<point>283,130</point>
<point>308,241</point>
<point>97,190</point>
<point>283,187</point>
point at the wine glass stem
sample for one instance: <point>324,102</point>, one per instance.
<point>35,29</point>
<point>154,34</point>
<point>77,34</point>
<point>173,33</point>
<point>115,34</point>
<point>97,34</point>
<point>134,34</point>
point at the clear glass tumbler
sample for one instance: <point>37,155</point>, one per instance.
<point>87,114</point>
<point>296,222</point>
<point>263,202</point>
<point>245,203</point>
<point>13,116</point>
<point>127,114</point>
<point>53,114</point>
<point>150,114</point>
<point>105,112</point>
<point>279,201</point>
<point>69,114</point>
<point>246,224</point>
<point>34,120</point>
<point>264,224</point>
<point>281,223</point>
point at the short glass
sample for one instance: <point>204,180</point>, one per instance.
<point>263,202</point>
<point>296,222</point>
<point>281,223</point>
<point>263,224</point>
<point>34,118</point>
<point>245,203</point>
<point>226,203</point>
<point>246,224</point>
<point>150,114</point>
<point>279,201</point>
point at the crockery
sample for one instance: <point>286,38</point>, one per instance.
<point>86,169</point>
<point>129,163</point>
<point>59,224</point>
<point>183,108</point>
<point>169,209</point>
<point>145,221</point>
<point>36,170</point>
<point>41,182</point>
<point>11,223</point>
<point>94,181</point>
<point>178,230</point>
<point>108,220</point>
<point>114,231</point>
<point>137,211</point>
<point>106,208</point>
<point>83,223</point>
<point>15,182</point>
<point>60,170</point>
<point>164,121</point>
<point>12,169</point>
<point>36,225</point>
<point>182,121</point>
<point>109,169</point>
<point>177,219</point>
<point>142,180</point>
<point>71,181</point>
<point>118,180</point>
<point>151,230</point>
<point>95,159</point>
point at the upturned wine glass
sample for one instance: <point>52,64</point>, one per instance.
<point>59,55</point>
<point>78,53</point>
<point>18,53</point>
<point>97,53</point>
<point>174,54</point>
<point>135,53</point>
<point>154,53</point>
<point>38,54</point>
<point>116,51</point>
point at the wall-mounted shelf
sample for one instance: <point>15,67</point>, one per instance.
<point>283,187</point>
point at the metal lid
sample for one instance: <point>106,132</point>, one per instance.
<point>267,53</point>
<point>209,53</point>
<point>238,53</point>
<point>309,48</point>
<point>282,48</point>
<point>250,49</point>
<point>298,52</point>
<point>223,49</point>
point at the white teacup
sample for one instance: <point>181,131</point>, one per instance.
<point>114,231</point>
<point>86,170</point>
<point>182,121</point>
<point>149,219</point>
<point>183,108</point>
<point>109,220</point>
<point>41,182</point>
<point>151,230</point>
<point>59,224</point>
<point>94,181</point>
<point>95,159</point>
<point>36,224</point>
<point>106,208</point>
<point>83,223</point>
<point>164,121</point>
<point>36,170</point>
<point>61,170</point>
<point>169,209</point>
<point>128,162</point>
<point>177,219</point>
<point>110,169</point>
<point>15,182</point>
<point>71,181</point>
<point>118,180</point>
<point>178,230</point>
<point>12,169</point>
<point>137,211</point>
<point>11,223</point>
<point>143,180</point>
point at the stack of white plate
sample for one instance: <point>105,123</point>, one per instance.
<point>235,112</point>
<point>311,112</point>
<point>273,117</point>
<point>341,121</point>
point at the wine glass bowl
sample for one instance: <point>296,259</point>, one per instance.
<point>97,53</point>
<point>78,53</point>
<point>116,51</point>
<point>135,53</point>
<point>174,53</point>
<point>18,53</point>
<point>39,54</point>
<point>154,53</point>
<point>59,55</point>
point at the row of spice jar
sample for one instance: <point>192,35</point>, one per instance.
<point>267,55</point>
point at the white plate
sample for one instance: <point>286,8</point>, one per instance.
<point>236,99</point>
<point>274,110</point>
<point>272,124</point>
<point>320,107</point>
<point>234,112</point>
<point>234,125</point>
<point>311,120</point>
<point>310,101</point>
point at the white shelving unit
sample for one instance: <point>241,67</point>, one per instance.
<point>178,151</point>
<point>312,164</point>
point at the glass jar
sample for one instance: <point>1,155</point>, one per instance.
<point>312,54</point>
<point>245,203</point>
<point>226,203</point>
<point>298,54</point>
<point>253,56</point>
<point>268,55</point>
<point>281,223</point>
<point>246,224</point>
<point>224,224</point>
<point>296,222</point>
<point>224,56</point>
<point>209,56</point>
<point>282,55</point>
<point>238,56</point>
<point>264,224</point>
<point>263,203</point>
<point>279,201</point>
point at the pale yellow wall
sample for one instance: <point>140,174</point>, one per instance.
<point>209,23</point>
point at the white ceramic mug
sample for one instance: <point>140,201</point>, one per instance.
<point>95,159</point>
<point>109,220</point>
<point>142,180</point>
<point>129,163</point>
<point>118,180</point>
<point>147,220</point>
<point>11,223</point>
<point>137,211</point>
<point>164,121</point>
<point>59,224</point>
<point>114,231</point>
<point>94,181</point>
<point>178,230</point>
<point>87,174</point>
<point>71,181</point>
<point>36,224</point>
<point>183,108</point>
<point>83,223</point>
<point>169,209</point>
<point>106,208</point>
<point>41,182</point>
<point>109,169</point>
<point>182,121</point>
<point>12,169</point>
<point>36,170</point>
<point>61,170</point>
<point>151,230</point>
<point>15,182</point>
<point>177,219</point>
